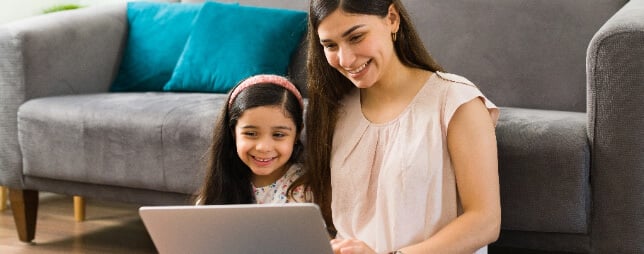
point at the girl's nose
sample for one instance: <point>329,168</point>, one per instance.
<point>264,145</point>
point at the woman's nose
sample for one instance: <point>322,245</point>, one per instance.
<point>346,58</point>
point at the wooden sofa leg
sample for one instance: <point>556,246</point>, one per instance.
<point>3,198</point>
<point>24,204</point>
<point>79,208</point>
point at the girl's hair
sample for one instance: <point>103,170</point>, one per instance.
<point>228,179</point>
<point>327,86</point>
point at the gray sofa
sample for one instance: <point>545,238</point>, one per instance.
<point>569,76</point>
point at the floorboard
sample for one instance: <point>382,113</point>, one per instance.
<point>108,228</point>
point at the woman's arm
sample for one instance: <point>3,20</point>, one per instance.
<point>472,146</point>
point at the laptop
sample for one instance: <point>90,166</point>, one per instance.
<point>238,229</point>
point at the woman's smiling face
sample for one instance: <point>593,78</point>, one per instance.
<point>358,46</point>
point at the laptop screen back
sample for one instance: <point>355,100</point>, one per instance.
<point>252,228</point>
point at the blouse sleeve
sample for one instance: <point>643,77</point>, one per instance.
<point>461,91</point>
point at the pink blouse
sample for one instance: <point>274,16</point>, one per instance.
<point>393,183</point>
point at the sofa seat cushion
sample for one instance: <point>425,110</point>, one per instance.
<point>544,164</point>
<point>154,141</point>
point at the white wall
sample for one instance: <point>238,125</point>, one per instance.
<point>16,9</point>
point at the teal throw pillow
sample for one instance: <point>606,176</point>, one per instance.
<point>157,34</point>
<point>229,43</point>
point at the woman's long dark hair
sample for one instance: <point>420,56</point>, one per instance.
<point>228,179</point>
<point>327,86</point>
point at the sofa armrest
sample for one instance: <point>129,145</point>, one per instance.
<point>68,52</point>
<point>615,78</point>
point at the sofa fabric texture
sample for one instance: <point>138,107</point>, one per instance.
<point>32,50</point>
<point>152,146</point>
<point>522,53</point>
<point>567,74</point>
<point>615,87</point>
<point>12,95</point>
<point>551,193</point>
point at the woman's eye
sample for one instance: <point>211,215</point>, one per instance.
<point>328,46</point>
<point>355,38</point>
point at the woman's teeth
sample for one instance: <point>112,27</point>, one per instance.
<point>359,69</point>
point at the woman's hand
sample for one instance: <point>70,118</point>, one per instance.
<point>350,246</point>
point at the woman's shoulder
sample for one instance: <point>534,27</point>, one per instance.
<point>458,91</point>
<point>455,88</point>
<point>450,79</point>
<point>442,89</point>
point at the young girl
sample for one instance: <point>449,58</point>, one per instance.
<point>403,155</point>
<point>255,154</point>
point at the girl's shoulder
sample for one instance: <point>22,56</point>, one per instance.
<point>294,172</point>
<point>301,193</point>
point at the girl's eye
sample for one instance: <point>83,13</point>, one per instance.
<point>249,133</point>
<point>279,135</point>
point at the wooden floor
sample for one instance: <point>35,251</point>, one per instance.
<point>109,228</point>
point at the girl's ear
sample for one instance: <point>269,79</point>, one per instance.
<point>393,18</point>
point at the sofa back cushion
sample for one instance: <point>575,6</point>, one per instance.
<point>157,35</point>
<point>159,54</point>
<point>297,67</point>
<point>522,53</point>
<point>230,42</point>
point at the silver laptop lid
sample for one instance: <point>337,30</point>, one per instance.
<point>267,228</point>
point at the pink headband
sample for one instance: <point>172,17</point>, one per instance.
<point>265,78</point>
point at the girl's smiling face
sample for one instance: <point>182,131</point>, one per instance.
<point>264,138</point>
<point>359,46</point>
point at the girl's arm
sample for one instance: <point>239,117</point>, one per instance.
<point>471,141</point>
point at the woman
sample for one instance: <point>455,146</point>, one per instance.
<point>391,137</point>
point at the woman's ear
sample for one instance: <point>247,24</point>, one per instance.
<point>393,18</point>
